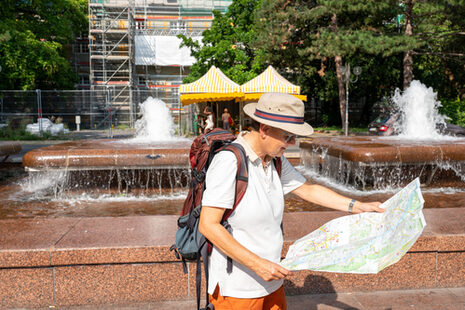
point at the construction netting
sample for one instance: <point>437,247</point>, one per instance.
<point>162,51</point>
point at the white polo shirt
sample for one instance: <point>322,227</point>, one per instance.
<point>256,221</point>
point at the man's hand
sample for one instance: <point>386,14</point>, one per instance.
<point>269,271</point>
<point>360,207</point>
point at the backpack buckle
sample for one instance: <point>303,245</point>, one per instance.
<point>196,212</point>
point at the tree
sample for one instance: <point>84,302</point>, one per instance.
<point>227,44</point>
<point>303,36</point>
<point>33,37</point>
<point>438,27</point>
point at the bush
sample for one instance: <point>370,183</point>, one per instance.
<point>123,127</point>
<point>16,130</point>
<point>460,117</point>
<point>455,110</point>
<point>8,133</point>
<point>325,119</point>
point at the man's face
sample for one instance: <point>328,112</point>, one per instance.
<point>277,140</point>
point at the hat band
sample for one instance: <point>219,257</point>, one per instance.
<point>278,117</point>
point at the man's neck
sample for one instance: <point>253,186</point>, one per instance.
<point>254,140</point>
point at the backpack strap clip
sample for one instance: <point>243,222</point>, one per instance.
<point>198,177</point>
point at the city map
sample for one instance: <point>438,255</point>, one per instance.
<point>363,243</point>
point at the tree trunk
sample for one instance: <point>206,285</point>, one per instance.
<point>340,83</point>
<point>408,59</point>
<point>341,90</point>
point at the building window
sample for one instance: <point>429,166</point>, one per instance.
<point>178,25</point>
<point>84,48</point>
<point>140,24</point>
<point>84,80</point>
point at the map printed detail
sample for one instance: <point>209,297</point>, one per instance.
<point>363,243</point>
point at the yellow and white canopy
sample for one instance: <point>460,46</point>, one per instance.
<point>269,81</point>
<point>213,86</point>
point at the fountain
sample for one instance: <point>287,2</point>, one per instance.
<point>376,163</point>
<point>105,177</point>
<point>154,145</point>
<point>154,158</point>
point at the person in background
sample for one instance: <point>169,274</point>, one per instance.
<point>225,117</point>
<point>209,124</point>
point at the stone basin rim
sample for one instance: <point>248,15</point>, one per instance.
<point>377,149</point>
<point>108,155</point>
<point>105,168</point>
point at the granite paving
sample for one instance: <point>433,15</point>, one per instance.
<point>420,299</point>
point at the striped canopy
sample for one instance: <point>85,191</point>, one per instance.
<point>213,86</point>
<point>269,81</point>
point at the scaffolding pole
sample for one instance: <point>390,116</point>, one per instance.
<point>131,34</point>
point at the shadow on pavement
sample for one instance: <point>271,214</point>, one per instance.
<point>326,294</point>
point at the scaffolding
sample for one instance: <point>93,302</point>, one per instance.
<point>113,26</point>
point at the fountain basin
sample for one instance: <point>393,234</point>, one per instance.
<point>9,148</point>
<point>380,162</point>
<point>382,149</point>
<point>109,154</point>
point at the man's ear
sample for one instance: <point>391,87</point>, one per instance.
<point>264,130</point>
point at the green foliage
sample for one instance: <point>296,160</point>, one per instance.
<point>314,30</point>
<point>123,127</point>
<point>33,38</point>
<point>327,129</point>
<point>461,117</point>
<point>228,45</point>
<point>303,38</point>
<point>325,119</point>
<point>439,59</point>
<point>455,110</point>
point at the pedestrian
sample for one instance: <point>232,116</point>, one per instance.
<point>225,117</point>
<point>209,124</point>
<point>255,240</point>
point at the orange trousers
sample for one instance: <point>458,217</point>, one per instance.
<point>274,301</point>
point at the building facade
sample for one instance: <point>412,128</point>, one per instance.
<point>133,52</point>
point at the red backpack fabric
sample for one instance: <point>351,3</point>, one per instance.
<point>202,151</point>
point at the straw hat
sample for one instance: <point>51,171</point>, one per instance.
<point>282,111</point>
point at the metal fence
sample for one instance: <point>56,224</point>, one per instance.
<point>106,108</point>
<point>115,107</point>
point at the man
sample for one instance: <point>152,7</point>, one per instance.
<point>256,239</point>
<point>225,118</point>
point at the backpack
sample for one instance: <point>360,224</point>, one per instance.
<point>190,244</point>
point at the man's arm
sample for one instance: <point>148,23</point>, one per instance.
<point>325,197</point>
<point>210,226</point>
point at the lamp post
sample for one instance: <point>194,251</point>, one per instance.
<point>346,73</point>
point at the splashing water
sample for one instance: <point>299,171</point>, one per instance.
<point>419,117</point>
<point>156,123</point>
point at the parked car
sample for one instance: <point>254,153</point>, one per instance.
<point>383,125</point>
<point>451,129</point>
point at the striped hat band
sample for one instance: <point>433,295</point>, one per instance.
<point>279,117</point>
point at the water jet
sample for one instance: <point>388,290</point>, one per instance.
<point>390,162</point>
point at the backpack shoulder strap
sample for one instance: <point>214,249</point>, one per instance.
<point>242,176</point>
<point>278,164</point>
